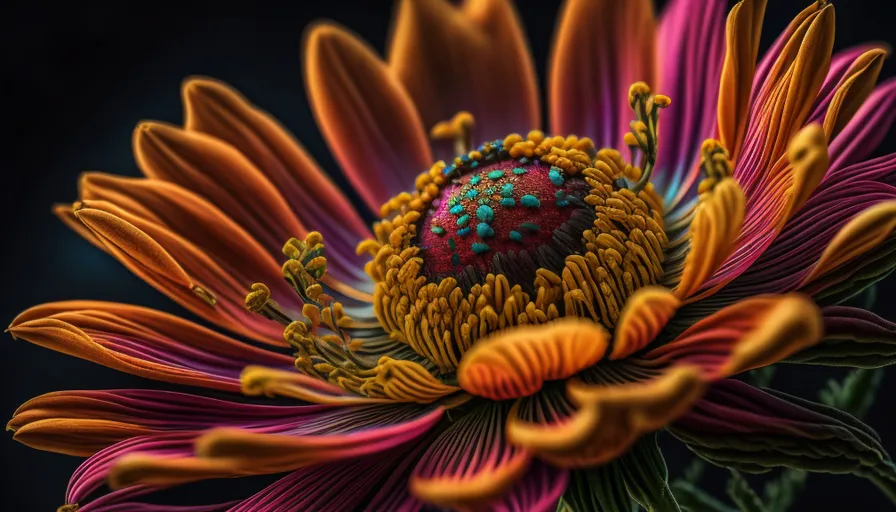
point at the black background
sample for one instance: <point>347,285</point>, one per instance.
<point>76,78</point>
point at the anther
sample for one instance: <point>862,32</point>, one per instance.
<point>458,129</point>
<point>205,295</point>
<point>258,300</point>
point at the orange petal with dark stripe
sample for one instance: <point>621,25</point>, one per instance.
<point>214,108</point>
<point>853,90</point>
<point>742,37</point>
<point>142,342</point>
<point>610,418</point>
<point>601,48</point>
<point>645,314</point>
<point>215,170</point>
<point>516,362</point>
<point>471,57</point>
<point>80,437</point>
<point>178,268</point>
<point>366,116</point>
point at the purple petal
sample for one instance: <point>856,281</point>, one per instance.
<point>867,129</point>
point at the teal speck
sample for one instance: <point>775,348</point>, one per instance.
<point>530,226</point>
<point>484,230</point>
<point>475,180</point>
<point>457,209</point>
<point>451,244</point>
<point>464,231</point>
<point>472,193</point>
<point>438,230</point>
<point>479,248</point>
<point>508,202</point>
<point>455,259</point>
<point>516,236</point>
<point>462,221</point>
<point>485,213</point>
<point>555,177</point>
<point>496,174</point>
<point>507,190</point>
<point>530,201</point>
<point>519,170</point>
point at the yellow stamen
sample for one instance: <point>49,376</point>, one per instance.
<point>458,129</point>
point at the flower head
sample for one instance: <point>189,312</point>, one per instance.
<point>529,309</point>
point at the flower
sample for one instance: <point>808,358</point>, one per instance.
<point>526,313</point>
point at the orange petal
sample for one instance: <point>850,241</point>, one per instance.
<point>861,234</point>
<point>163,472</point>
<point>643,317</point>
<point>365,114</point>
<point>215,170</point>
<point>746,335</point>
<point>601,48</point>
<point>74,436</point>
<point>142,342</point>
<point>516,362</point>
<point>853,90</point>
<point>66,214</point>
<point>216,109</point>
<point>437,50</point>
<point>610,418</point>
<point>713,232</point>
<point>162,257</point>
<point>271,382</point>
<point>742,36</point>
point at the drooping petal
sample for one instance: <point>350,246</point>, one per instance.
<point>690,49</point>
<point>643,317</point>
<point>738,426</point>
<point>853,337</point>
<point>470,462</point>
<point>333,436</point>
<point>438,50</point>
<point>217,171</point>
<point>365,114</point>
<point>749,334</point>
<point>598,488</point>
<point>867,129</point>
<point>143,342</point>
<point>177,268</point>
<point>517,362</point>
<point>79,437</point>
<point>216,109</point>
<point>743,30</point>
<point>601,48</point>
<point>610,417</point>
<point>845,90</point>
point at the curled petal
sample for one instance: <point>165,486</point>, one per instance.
<point>437,47</point>
<point>142,341</point>
<point>852,337</point>
<point>216,109</point>
<point>516,362</point>
<point>742,36</point>
<point>365,114</point>
<point>643,317</point>
<point>610,418</point>
<point>407,381</point>
<point>215,170</point>
<point>850,92</point>
<point>860,235</point>
<point>714,230</point>
<point>749,334</point>
<point>470,462</point>
<point>601,48</point>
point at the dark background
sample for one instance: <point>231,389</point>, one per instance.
<point>76,78</point>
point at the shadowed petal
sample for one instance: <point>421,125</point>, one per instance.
<point>365,114</point>
<point>516,362</point>
<point>853,337</point>
<point>690,46</point>
<point>742,47</point>
<point>471,57</point>
<point>214,108</point>
<point>143,342</point>
<point>643,317</point>
<point>749,334</point>
<point>178,268</point>
<point>538,490</point>
<point>215,170</point>
<point>470,462</point>
<point>601,48</point>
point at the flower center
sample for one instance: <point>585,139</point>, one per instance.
<point>509,217</point>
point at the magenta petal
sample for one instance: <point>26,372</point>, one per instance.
<point>841,62</point>
<point>538,491</point>
<point>692,42</point>
<point>119,501</point>
<point>867,129</point>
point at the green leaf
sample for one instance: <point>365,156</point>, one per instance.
<point>743,495</point>
<point>694,472</point>
<point>762,377</point>
<point>646,476</point>
<point>781,492</point>
<point>693,499</point>
<point>855,394</point>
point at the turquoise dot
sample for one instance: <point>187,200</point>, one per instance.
<point>519,170</point>
<point>507,190</point>
<point>451,244</point>
<point>530,201</point>
<point>516,236</point>
<point>530,226</point>
<point>438,230</point>
<point>464,231</point>
<point>475,180</point>
<point>462,221</point>
<point>471,194</point>
<point>507,202</point>
<point>479,248</point>
<point>485,213</point>
<point>484,230</point>
<point>562,203</point>
<point>457,209</point>
<point>555,177</point>
<point>455,259</point>
<point>496,174</point>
